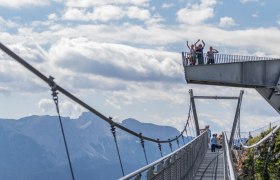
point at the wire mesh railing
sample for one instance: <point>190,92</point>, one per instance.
<point>259,131</point>
<point>181,164</point>
<point>192,59</point>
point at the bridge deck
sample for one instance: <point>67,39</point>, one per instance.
<point>212,166</point>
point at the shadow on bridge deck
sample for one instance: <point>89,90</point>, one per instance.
<point>212,166</point>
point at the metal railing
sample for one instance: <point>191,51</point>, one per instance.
<point>228,167</point>
<point>222,58</point>
<point>259,131</point>
<point>181,164</point>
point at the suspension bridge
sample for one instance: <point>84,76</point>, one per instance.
<point>193,160</point>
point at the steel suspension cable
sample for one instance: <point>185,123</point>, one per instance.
<point>191,124</point>
<point>77,100</point>
<point>170,146</point>
<point>261,140</point>
<point>55,99</point>
<point>113,130</point>
<point>159,147</point>
<point>143,147</point>
<point>183,139</point>
<point>50,82</point>
<point>178,143</point>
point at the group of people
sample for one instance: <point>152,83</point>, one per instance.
<point>214,142</point>
<point>196,53</point>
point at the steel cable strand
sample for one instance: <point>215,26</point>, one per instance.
<point>275,123</point>
<point>55,99</point>
<point>183,139</point>
<point>77,100</point>
<point>170,146</point>
<point>143,147</point>
<point>261,140</point>
<point>177,141</point>
<point>113,130</point>
<point>160,149</point>
<point>191,124</point>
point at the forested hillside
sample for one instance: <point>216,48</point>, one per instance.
<point>262,162</point>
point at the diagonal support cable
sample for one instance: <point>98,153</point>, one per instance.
<point>143,147</point>
<point>159,147</point>
<point>113,130</point>
<point>55,99</point>
<point>183,138</point>
<point>170,145</point>
<point>177,141</point>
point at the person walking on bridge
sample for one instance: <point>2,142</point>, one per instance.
<point>207,128</point>
<point>214,143</point>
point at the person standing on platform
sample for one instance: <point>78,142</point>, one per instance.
<point>199,52</point>
<point>210,55</point>
<point>192,53</point>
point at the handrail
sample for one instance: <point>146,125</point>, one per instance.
<point>262,129</point>
<point>145,168</point>
<point>226,58</point>
<point>228,164</point>
<point>261,141</point>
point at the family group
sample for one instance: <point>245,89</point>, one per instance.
<point>196,53</point>
<point>214,142</point>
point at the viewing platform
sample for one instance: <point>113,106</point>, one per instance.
<point>261,73</point>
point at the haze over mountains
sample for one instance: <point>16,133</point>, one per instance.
<point>32,148</point>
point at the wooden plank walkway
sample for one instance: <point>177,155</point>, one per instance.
<point>212,166</point>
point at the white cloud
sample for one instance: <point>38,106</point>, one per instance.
<point>260,2</point>
<point>5,91</point>
<point>7,23</point>
<point>255,15</point>
<point>227,22</point>
<point>110,66</point>
<point>90,3</point>
<point>134,12</point>
<point>66,107</point>
<point>246,1</point>
<point>147,64</point>
<point>23,3</point>
<point>52,16</point>
<point>167,5</point>
<point>106,13</point>
<point>197,13</point>
<point>102,13</point>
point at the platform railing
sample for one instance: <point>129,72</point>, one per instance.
<point>181,164</point>
<point>228,166</point>
<point>222,58</point>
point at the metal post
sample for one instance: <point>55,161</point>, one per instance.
<point>194,113</point>
<point>237,112</point>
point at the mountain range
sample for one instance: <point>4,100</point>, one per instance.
<point>32,147</point>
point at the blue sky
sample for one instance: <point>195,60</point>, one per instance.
<point>123,57</point>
